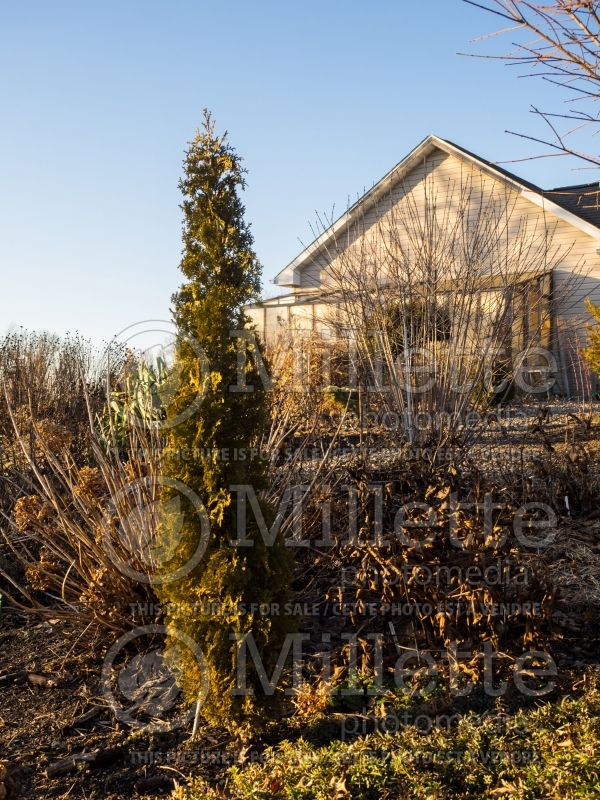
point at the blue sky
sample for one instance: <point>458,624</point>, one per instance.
<point>320,98</point>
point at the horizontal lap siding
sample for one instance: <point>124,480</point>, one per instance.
<point>576,278</point>
<point>448,173</point>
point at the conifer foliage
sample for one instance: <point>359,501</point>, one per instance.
<point>205,450</point>
<point>592,352</point>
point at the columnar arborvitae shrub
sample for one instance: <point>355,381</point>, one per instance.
<point>592,352</point>
<point>222,275</point>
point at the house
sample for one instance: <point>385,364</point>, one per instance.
<point>566,218</point>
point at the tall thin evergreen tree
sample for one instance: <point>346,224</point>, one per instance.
<point>202,450</point>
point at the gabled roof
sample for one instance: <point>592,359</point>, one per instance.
<point>578,205</point>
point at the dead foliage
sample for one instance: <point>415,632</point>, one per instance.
<point>83,537</point>
<point>422,541</point>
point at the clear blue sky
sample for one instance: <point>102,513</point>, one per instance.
<point>320,98</point>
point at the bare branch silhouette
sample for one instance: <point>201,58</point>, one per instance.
<point>565,52</point>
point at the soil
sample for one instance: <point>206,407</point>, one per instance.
<point>58,736</point>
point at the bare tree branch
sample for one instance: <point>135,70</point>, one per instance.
<point>565,53</point>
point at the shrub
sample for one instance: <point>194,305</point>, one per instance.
<point>52,389</point>
<point>83,533</point>
<point>86,533</point>
<point>58,380</point>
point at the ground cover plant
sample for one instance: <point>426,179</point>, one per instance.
<point>546,752</point>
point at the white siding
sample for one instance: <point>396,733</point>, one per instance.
<point>572,252</point>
